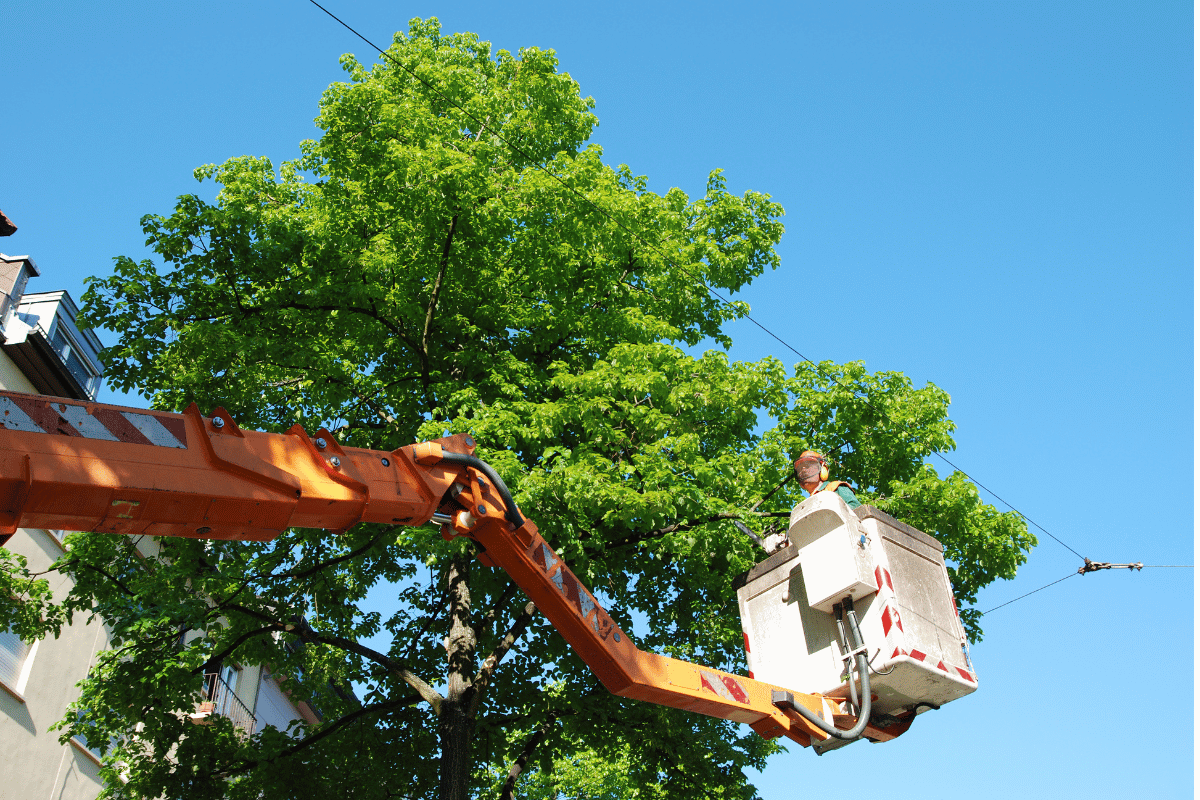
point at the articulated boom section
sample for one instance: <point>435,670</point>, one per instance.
<point>72,465</point>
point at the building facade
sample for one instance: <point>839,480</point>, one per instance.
<point>43,351</point>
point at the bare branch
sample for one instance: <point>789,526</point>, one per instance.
<point>636,538</point>
<point>376,708</point>
<point>437,287</point>
<point>515,631</point>
<point>514,772</point>
<point>427,692</point>
<point>221,656</point>
<point>344,557</point>
<point>494,611</point>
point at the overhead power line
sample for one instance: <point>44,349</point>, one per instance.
<point>1093,566</point>
<point>1027,594</point>
<point>483,125</point>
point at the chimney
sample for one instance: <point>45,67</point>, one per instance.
<point>15,272</point>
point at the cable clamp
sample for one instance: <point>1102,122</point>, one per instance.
<point>1095,566</point>
<point>849,657</point>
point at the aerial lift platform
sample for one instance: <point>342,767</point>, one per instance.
<point>817,676</point>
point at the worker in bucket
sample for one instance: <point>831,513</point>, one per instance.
<point>813,473</point>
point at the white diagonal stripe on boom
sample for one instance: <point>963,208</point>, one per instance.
<point>152,430</point>
<point>15,418</point>
<point>88,426</point>
<point>714,685</point>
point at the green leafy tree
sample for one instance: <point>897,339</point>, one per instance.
<point>412,273</point>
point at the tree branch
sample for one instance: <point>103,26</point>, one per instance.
<point>385,706</point>
<point>429,620</point>
<point>494,611</point>
<point>337,560</point>
<point>221,656</point>
<point>637,538</point>
<point>427,692</point>
<point>372,312</point>
<point>515,631</point>
<point>437,286</point>
<point>112,578</point>
<point>514,772</point>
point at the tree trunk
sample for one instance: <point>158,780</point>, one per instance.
<point>456,723</point>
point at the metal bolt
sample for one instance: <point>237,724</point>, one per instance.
<point>482,482</point>
<point>218,422</point>
<point>482,511</point>
<point>616,636</point>
<point>337,462</point>
<point>385,462</point>
<point>470,442</point>
<point>320,443</point>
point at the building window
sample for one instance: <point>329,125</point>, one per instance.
<point>15,659</point>
<point>95,753</point>
<point>79,740</point>
<point>69,353</point>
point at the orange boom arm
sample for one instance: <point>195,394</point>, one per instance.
<point>80,466</point>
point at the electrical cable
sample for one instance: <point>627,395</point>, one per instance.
<point>1010,505</point>
<point>1081,572</point>
<point>871,665</point>
<point>1022,597</point>
<point>720,298</point>
<point>652,246</point>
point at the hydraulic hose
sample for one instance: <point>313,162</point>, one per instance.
<point>788,700</point>
<point>511,513</point>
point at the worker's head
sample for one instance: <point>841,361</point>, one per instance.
<point>811,468</point>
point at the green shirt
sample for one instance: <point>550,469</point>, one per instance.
<point>844,492</point>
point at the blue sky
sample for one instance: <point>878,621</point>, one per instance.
<point>996,197</point>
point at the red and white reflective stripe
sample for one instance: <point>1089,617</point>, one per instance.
<point>883,576</point>
<point>891,618</point>
<point>34,415</point>
<point>724,686</point>
<point>890,615</point>
<point>917,655</point>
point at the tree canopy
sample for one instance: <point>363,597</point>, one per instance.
<point>453,255</point>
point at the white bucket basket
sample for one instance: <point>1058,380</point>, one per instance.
<point>897,579</point>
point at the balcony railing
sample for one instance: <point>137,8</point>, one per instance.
<point>220,699</point>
